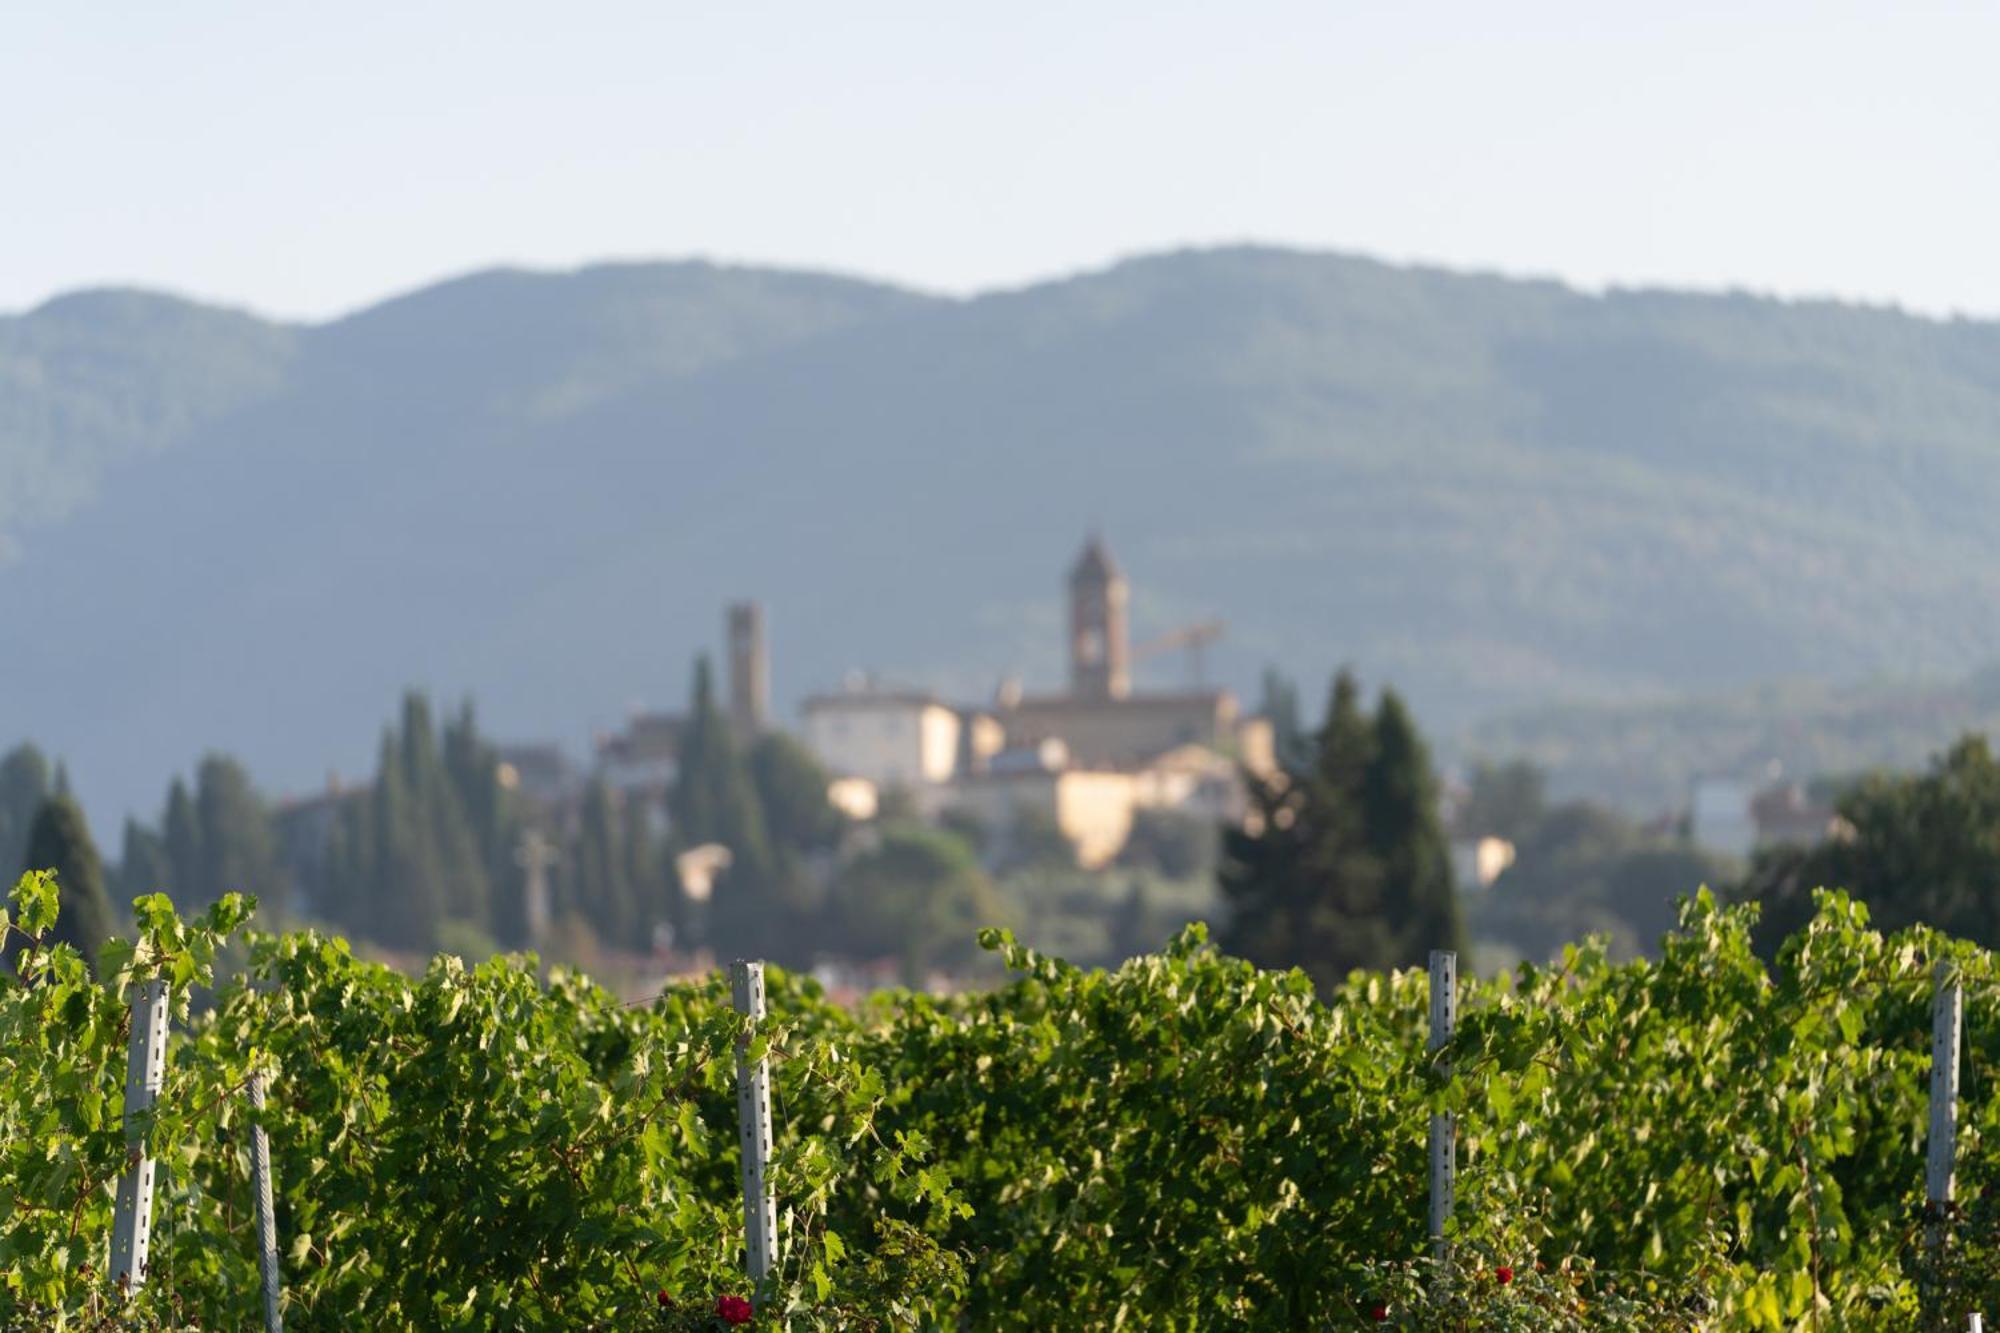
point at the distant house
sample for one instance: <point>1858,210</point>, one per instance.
<point>1738,817</point>
<point>539,771</point>
<point>891,738</point>
<point>1095,807</point>
<point>1784,815</point>
<point>1087,759</point>
<point>1477,861</point>
<point>645,757</point>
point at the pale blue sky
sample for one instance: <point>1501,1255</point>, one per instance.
<point>308,159</point>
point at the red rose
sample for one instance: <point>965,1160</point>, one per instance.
<point>665,1300</point>
<point>1380,1312</point>
<point>733,1309</point>
<point>1503,1274</point>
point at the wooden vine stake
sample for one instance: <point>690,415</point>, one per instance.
<point>753,1117</point>
<point>1444,1126</point>
<point>267,1223</point>
<point>1947,1016</point>
<point>145,1071</point>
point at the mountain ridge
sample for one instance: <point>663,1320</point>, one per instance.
<point>1497,493</point>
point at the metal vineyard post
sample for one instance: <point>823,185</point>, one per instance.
<point>1444,1126</point>
<point>267,1225</point>
<point>145,1070</point>
<point>1947,1015</point>
<point>753,1116</point>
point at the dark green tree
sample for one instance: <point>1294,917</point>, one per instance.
<point>1587,870</point>
<point>895,804</point>
<point>1174,843</point>
<point>402,884</point>
<point>918,896</point>
<point>1306,879</point>
<point>1289,739</point>
<point>1035,841</point>
<point>26,782</point>
<point>1400,803</point>
<point>1503,800</point>
<point>489,812</point>
<point>239,848</point>
<point>143,867</point>
<point>427,843</point>
<point>791,787</point>
<point>714,800</point>
<point>1917,849</point>
<point>187,861</point>
<point>59,840</point>
<point>441,816</point>
<point>1133,929</point>
<point>598,880</point>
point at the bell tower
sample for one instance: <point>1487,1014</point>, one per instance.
<point>1100,657</point>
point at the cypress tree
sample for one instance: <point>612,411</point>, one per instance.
<point>59,840</point>
<point>24,786</point>
<point>488,810</point>
<point>441,820</point>
<point>791,787</point>
<point>714,800</point>
<point>239,848</point>
<point>142,863</point>
<point>186,862</point>
<point>645,885</point>
<point>1302,879</point>
<point>406,902</point>
<point>1407,837</point>
<point>599,867</point>
<point>1289,741</point>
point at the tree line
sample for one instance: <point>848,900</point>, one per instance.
<point>427,854</point>
<point>1341,863</point>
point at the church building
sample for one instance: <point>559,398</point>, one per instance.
<point>1101,719</point>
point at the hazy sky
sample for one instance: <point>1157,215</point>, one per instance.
<point>307,159</point>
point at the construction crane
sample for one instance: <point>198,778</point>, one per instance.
<point>1193,639</point>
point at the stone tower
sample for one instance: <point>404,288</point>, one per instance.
<point>749,672</point>
<point>1100,658</point>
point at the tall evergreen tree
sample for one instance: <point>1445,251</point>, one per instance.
<point>1289,741</point>
<point>187,860</point>
<point>599,887</point>
<point>792,788</point>
<point>1400,798</point>
<point>59,840</point>
<point>644,872</point>
<point>403,884</point>
<point>489,812</point>
<point>25,783</point>
<point>143,867</point>
<point>443,825</point>
<point>238,846</point>
<point>429,840</point>
<point>1309,880</point>
<point>714,801</point>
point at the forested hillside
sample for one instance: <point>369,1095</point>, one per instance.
<point>540,488</point>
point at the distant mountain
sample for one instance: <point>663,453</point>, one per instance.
<point>540,488</point>
<point>1646,755</point>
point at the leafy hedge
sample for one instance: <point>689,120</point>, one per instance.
<point>1184,1143</point>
